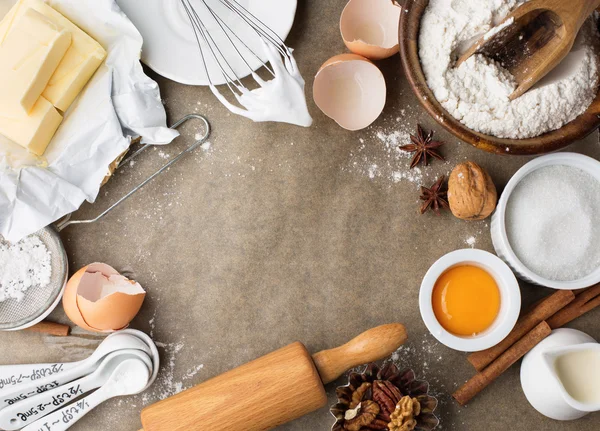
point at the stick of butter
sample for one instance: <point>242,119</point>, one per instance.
<point>29,56</point>
<point>80,62</point>
<point>34,130</point>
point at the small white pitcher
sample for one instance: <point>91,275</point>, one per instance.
<point>540,381</point>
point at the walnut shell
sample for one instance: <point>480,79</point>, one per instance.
<point>471,192</point>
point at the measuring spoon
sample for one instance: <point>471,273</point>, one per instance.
<point>150,342</point>
<point>20,414</point>
<point>129,378</point>
<point>29,388</point>
<point>15,375</point>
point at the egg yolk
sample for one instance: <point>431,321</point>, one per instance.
<point>466,300</point>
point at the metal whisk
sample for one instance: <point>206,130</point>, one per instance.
<point>231,37</point>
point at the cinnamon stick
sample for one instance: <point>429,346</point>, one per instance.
<point>50,328</point>
<point>540,312</point>
<point>482,379</point>
<point>586,300</point>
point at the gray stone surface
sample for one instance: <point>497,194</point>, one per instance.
<point>279,234</point>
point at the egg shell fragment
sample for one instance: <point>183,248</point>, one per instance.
<point>351,90</point>
<point>97,298</point>
<point>371,27</point>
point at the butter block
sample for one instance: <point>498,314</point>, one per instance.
<point>35,130</point>
<point>7,22</point>
<point>29,55</point>
<point>80,62</point>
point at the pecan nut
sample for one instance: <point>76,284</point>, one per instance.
<point>387,396</point>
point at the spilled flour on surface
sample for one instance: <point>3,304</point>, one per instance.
<point>471,241</point>
<point>473,238</point>
<point>166,384</point>
<point>378,156</point>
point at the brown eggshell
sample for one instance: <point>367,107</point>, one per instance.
<point>370,27</point>
<point>343,57</point>
<point>69,299</point>
<point>112,312</point>
<point>351,90</point>
<point>108,314</point>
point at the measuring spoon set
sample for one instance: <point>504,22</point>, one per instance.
<point>48,397</point>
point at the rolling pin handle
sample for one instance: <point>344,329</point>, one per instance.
<point>372,345</point>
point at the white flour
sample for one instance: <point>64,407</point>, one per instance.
<point>477,92</point>
<point>377,154</point>
<point>23,265</point>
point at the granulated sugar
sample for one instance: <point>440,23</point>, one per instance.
<point>553,222</point>
<point>23,265</point>
<point>477,93</point>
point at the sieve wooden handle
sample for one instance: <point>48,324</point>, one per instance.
<point>50,328</point>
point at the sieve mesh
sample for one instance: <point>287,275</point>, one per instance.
<point>38,300</point>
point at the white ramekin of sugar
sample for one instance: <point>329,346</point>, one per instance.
<point>548,234</point>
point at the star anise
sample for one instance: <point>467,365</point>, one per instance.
<point>434,197</point>
<point>423,146</point>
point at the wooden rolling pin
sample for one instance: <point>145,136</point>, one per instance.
<point>269,391</point>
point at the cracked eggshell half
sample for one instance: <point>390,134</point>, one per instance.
<point>98,298</point>
<point>351,90</point>
<point>371,27</point>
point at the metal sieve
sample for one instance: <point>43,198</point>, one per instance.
<point>39,301</point>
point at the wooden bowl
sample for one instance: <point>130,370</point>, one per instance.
<point>579,128</point>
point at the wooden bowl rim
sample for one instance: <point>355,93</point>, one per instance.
<point>579,128</point>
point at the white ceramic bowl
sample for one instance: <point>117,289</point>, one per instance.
<point>510,300</point>
<point>170,46</point>
<point>498,226</point>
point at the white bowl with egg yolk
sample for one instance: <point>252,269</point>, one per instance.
<point>510,300</point>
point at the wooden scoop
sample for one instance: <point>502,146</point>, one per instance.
<point>534,39</point>
<point>269,391</point>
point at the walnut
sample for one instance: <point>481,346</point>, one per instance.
<point>403,418</point>
<point>471,192</point>
<point>364,414</point>
<point>358,394</point>
<point>387,396</point>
